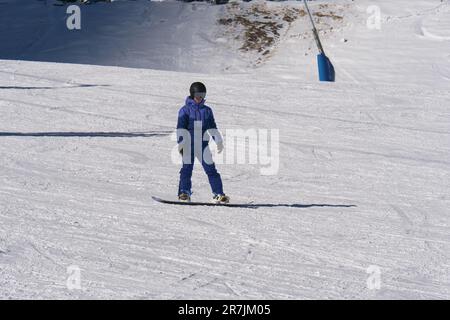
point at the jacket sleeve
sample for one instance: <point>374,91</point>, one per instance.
<point>183,123</point>
<point>215,133</point>
<point>212,122</point>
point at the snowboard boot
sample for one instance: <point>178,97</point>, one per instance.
<point>221,198</point>
<point>184,197</point>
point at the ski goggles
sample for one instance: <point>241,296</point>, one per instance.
<point>200,95</point>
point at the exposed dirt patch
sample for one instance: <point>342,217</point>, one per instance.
<point>257,26</point>
<point>331,15</point>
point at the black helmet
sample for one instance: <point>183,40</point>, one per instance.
<point>197,89</point>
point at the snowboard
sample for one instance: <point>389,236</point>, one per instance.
<point>208,204</point>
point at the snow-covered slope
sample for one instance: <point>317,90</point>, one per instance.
<point>363,179</point>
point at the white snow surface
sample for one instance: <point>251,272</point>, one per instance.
<point>75,192</point>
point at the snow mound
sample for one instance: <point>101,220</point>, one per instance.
<point>437,27</point>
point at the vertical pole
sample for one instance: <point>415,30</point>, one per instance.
<point>326,69</point>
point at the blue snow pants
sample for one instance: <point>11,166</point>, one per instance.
<point>214,178</point>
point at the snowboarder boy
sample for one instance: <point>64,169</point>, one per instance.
<point>195,114</point>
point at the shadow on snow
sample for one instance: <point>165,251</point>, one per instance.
<point>296,205</point>
<point>45,88</point>
<point>86,134</point>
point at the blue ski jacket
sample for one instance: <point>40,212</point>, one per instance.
<point>191,112</point>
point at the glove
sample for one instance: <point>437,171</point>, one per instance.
<point>219,147</point>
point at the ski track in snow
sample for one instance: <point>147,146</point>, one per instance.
<point>84,199</point>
